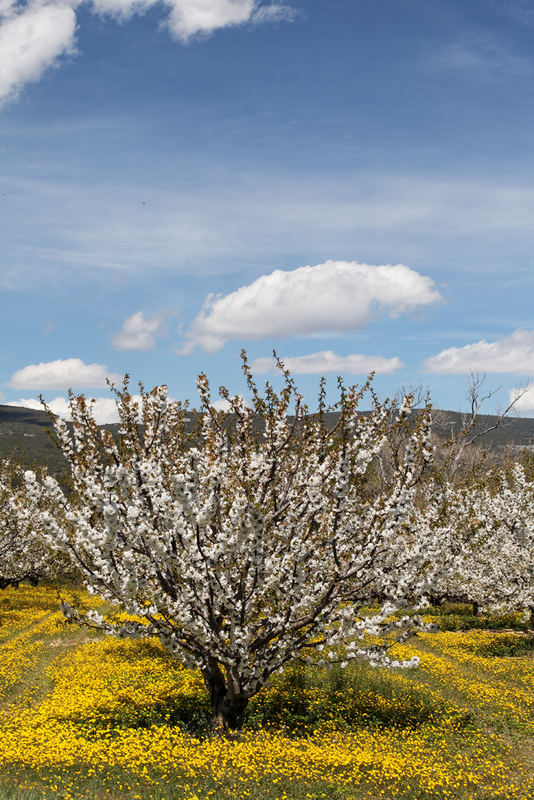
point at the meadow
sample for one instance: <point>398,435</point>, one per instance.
<point>85,716</point>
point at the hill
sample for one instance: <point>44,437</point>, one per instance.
<point>24,431</point>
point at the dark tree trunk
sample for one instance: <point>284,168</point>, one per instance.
<point>476,609</point>
<point>227,711</point>
<point>435,600</point>
<point>531,620</point>
<point>227,700</point>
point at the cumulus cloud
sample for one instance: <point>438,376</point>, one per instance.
<point>138,333</point>
<point>224,405</point>
<point>121,10</point>
<point>514,353</point>
<point>524,399</point>
<point>68,373</point>
<point>32,39</point>
<point>333,297</point>
<point>104,408</point>
<point>35,35</point>
<point>187,19</point>
<point>328,361</point>
<point>193,17</point>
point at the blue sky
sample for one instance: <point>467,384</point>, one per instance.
<point>168,170</point>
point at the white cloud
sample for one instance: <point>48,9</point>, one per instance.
<point>7,7</point>
<point>138,333</point>
<point>514,353</point>
<point>524,404</point>
<point>31,40</point>
<point>104,408</point>
<point>328,361</point>
<point>122,10</point>
<point>277,12</point>
<point>223,405</point>
<point>189,18</point>
<point>327,298</point>
<point>192,17</point>
<point>68,373</point>
<point>34,35</point>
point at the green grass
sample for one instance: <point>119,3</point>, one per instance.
<point>397,703</point>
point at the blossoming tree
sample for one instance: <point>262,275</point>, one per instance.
<point>249,540</point>
<point>487,531</point>
<point>22,555</point>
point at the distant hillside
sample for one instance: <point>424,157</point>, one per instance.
<point>24,431</point>
<point>514,432</point>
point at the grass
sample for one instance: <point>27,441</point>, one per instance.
<point>87,718</point>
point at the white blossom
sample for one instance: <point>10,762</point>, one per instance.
<point>250,544</point>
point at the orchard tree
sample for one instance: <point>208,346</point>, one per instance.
<point>23,556</point>
<point>487,530</point>
<point>249,540</point>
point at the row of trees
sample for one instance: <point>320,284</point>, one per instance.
<point>261,535</point>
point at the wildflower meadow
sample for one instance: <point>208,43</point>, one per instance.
<point>262,604</point>
<point>88,716</point>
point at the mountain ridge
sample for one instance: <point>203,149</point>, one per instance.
<point>23,431</point>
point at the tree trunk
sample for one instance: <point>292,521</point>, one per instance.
<point>226,712</point>
<point>531,621</point>
<point>227,700</point>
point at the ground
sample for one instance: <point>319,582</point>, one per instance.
<point>90,717</point>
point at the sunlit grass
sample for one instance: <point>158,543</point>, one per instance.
<point>86,717</point>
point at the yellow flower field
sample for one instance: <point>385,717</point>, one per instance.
<point>87,717</point>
